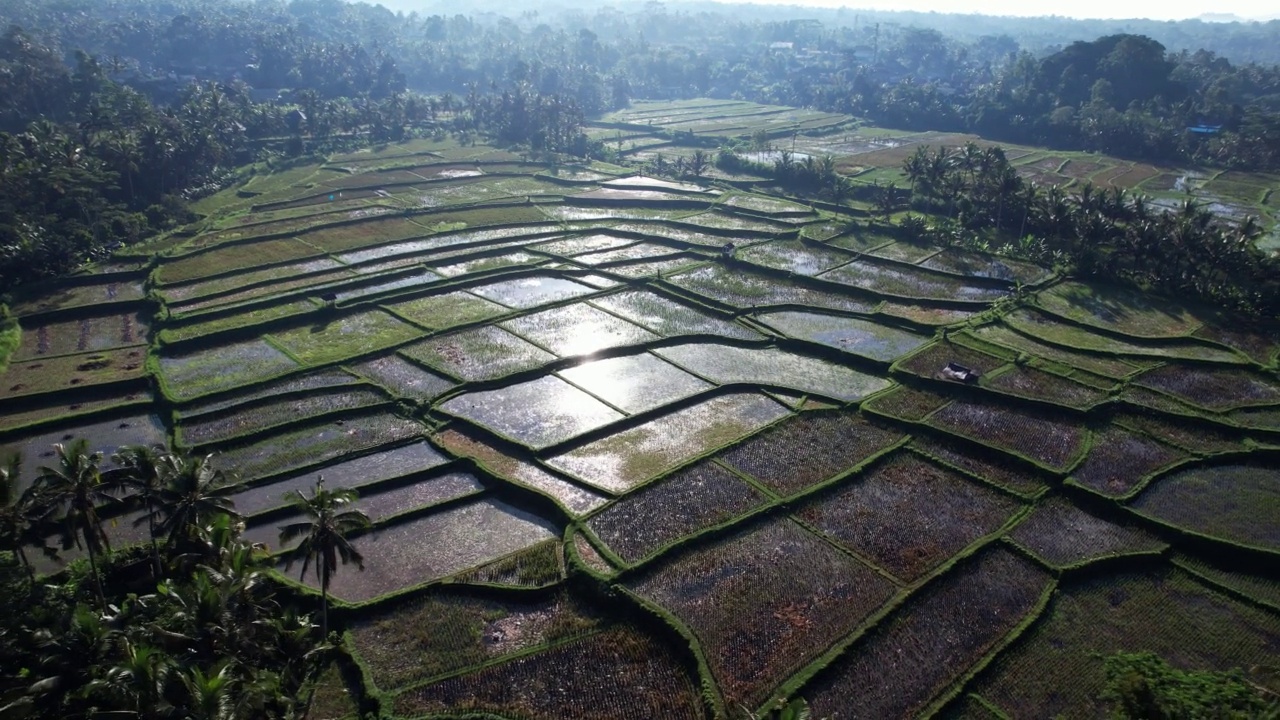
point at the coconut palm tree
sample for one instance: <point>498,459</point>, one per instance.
<point>73,489</point>
<point>330,518</point>
<point>23,518</point>
<point>195,493</point>
<point>145,470</point>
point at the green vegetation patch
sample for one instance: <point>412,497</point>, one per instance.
<point>356,472</point>
<point>934,640</point>
<point>1058,669</point>
<point>1043,327</point>
<point>343,337</point>
<point>483,353</point>
<point>1063,535</point>
<point>1098,364</point>
<point>681,504</point>
<point>747,289</point>
<point>774,588</point>
<point>809,449</point>
<point>887,279</point>
<point>908,515</point>
<point>1044,439</point>
<point>438,545</point>
<point>237,257</point>
<point>795,256</point>
<point>619,674</point>
<point>77,372</point>
<point>1235,503</point>
<point>1120,309</point>
<point>635,383</point>
<point>851,335</point>
<point>317,443</point>
<point>1216,389</point>
<point>726,364</point>
<point>859,239</point>
<point>628,458</point>
<point>905,252</point>
<point>87,334</point>
<point>1120,460</point>
<point>235,321</point>
<point>336,239</point>
<point>669,318</point>
<point>768,205</point>
<point>444,632</point>
<point>577,499</point>
<point>448,310</point>
<point>578,329</point>
<point>536,413</point>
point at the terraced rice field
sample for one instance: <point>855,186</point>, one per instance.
<point>615,474</point>
<point>645,131</point>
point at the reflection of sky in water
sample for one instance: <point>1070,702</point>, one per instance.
<point>635,383</point>
<point>532,291</point>
<point>537,413</point>
<point>628,458</point>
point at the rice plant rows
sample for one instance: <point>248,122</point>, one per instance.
<point>764,602</point>
<point>683,503</point>
<point>907,515</point>
<point>809,449</point>
<point>916,653</point>
<point>1063,535</point>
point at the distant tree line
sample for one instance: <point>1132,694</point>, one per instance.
<point>975,198</point>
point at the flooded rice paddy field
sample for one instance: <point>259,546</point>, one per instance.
<point>616,472</point>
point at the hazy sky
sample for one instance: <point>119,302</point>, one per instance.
<point>1156,9</point>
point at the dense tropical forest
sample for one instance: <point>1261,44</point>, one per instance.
<point>115,115</point>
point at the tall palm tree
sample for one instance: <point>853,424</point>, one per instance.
<point>330,518</point>
<point>196,492</point>
<point>145,471</point>
<point>74,490</point>
<point>23,518</point>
